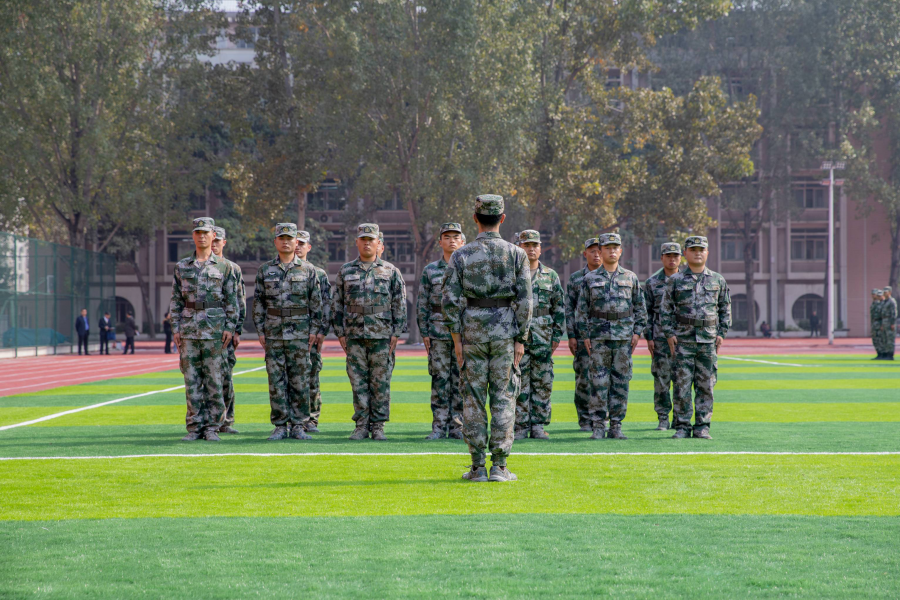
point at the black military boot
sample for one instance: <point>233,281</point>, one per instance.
<point>298,432</point>
<point>681,434</point>
<point>378,432</point>
<point>361,432</point>
<point>615,431</point>
<point>599,431</point>
<point>210,435</point>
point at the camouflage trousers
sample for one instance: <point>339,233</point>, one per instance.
<point>369,366</point>
<point>883,339</point>
<point>446,397</point>
<point>228,385</point>
<point>610,375</point>
<point>694,365</point>
<point>488,369</point>
<point>203,364</point>
<point>661,369</point>
<point>533,403</point>
<point>582,365</point>
<point>287,364</point>
<point>315,392</point>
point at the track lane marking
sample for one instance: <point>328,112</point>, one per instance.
<point>768,362</point>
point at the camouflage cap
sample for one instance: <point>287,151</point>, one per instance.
<point>876,292</point>
<point>529,235</point>
<point>445,227</point>
<point>380,236</point>
<point>887,288</point>
<point>220,232</point>
<point>286,229</point>
<point>608,239</point>
<point>670,248</point>
<point>367,230</point>
<point>696,241</point>
<point>591,242</point>
<point>489,204</point>
<point>204,224</point>
<point>463,236</point>
<point>303,236</point>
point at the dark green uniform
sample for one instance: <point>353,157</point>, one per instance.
<point>315,391</point>
<point>661,361</point>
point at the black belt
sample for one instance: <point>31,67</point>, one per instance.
<point>437,308</point>
<point>203,305</point>
<point>540,312</point>
<point>287,312</point>
<point>611,316</point>
<point>696,322</point>
<point>488,302</point>
<point>368,310</point>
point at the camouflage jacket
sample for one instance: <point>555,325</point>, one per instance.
<point>429,313</point>
<point>546,295</point>
<point>573,289</point>
<point>701,296</point>
<point>292,285</point>
<point>619,292</point>
<point>888,312</point>
<point>241,298</point>
<point>488,267</point>
<point>212,282</point>
<point>325,288</point>
<point>654,288</point>
<point>875,314</point>
<point>358,290</point>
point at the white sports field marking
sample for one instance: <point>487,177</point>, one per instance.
<point>272,454</point>
<point>768,362</point>
<point>107,403</point>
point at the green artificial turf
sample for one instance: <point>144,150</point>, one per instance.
<point>478,556</point>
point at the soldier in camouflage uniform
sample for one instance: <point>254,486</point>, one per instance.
<point>204,309</point>
<point>315,353</point>
<point>288,314</point>
<point>695,315</point>
<point>875,321</point>
<point>581,362</point>
<point>533,406</point>
<point>888,323</point>
<point>487,308</point>
<point>661,362</point>
<point>611,317</point>
<point>218,247</point>
<point>446,399</point>
<point>369,314</point>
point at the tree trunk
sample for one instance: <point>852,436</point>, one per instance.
<point>749,244</point>
<point>145,298</point>
<point>894,275</point>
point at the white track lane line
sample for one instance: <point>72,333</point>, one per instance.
<point>107,403</point>
<point>462,453</point>
<point>768,362</point>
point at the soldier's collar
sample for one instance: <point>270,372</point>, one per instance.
<point>488,234</point>
<point>441,262</point>
<point>212,258</point>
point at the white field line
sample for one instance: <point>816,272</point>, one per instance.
<point>768,362</point>
<point>107,403</point>
<point>302,454</point>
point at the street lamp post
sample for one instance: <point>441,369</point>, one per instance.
<point>831,167</point>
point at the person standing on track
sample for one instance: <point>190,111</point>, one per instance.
<point>83,329</point>
<point>889,323</point>
<point>581,360</point>
<point>487,307</point>
<point>130,328</point>
<point>611,316</point>
<point>105,328</point>
<point>204,309</point>
<point>661,361</point>
<point>315,357</point>
<point>218,247</point>
<point>533,407</point>
<point>875,322</point>
<point>369,315</point>
<point>446,399</point>
<point>696,316</point>
<point>287,312</point>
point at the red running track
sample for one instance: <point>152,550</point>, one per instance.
<point>33,374</point>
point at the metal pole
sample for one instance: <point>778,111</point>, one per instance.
<point>830,278</point>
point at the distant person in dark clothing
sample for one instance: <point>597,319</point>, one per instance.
<point>82,328</point>
<point>104,333</point>
<point>130,332</point>
<point>814,325</point>
<point>766,330</point>
<point>167,329</point>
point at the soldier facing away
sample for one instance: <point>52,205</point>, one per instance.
<point>533,406</point>
<point>611,317</point>
<point>304,245</point>
<point>661,361</point>
<point>487,305</point>
<point>204,309</point>
<point>581,361</point>
<point>875,322</point>
<point>218,248</point>
<point>888,323</point>
<point>446,399</point>
<point>695,316</point>
<point>288,314</point>
<point>369,314</point>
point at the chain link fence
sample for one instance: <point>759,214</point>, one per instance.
<point>43,287</point>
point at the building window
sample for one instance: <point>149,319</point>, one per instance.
<point>613,79</point>
<point>733,246</point>
<point>330,195</point>
<point>337,252</point>
<point>812,196</point>
<point>739,312</point>
<point>808,245</point>
<point>180,248</point>
<point>805,306</point>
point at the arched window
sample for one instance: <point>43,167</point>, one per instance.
<point>123,307</point>
<point>805,306</point>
